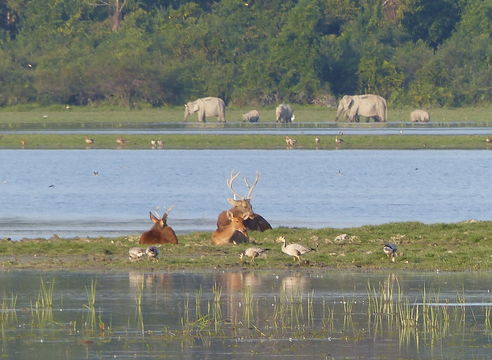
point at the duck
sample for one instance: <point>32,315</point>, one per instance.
<point>89,140</point>
<point>136,253</point>
<point>294,250</point>
<point>338,140</point>
<point>290,142</point>
<point>253,252</point>
<point>390,250</point>
<point>120,141</point>
<point>152,253</point>
<point>317,140</point>
<point>488,140</point>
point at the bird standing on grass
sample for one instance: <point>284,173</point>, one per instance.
<point>136,253</point>
<point>152,253</point>
<point>294,250</point>
<point>120,141</point>
<point>252,252</point>
<point>89,140</point>
<point>390,251</point>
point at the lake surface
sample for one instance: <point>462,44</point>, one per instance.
<point>46,192</point>
<point>245,314</point>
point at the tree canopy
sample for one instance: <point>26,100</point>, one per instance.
<point>165,52</point>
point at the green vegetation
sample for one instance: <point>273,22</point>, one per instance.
<point>253,141</point>
<point>90,118</point>
<point>152,53</point>
<point>454,247</point>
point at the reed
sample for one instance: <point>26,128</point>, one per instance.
<point>91,295</point>
<point>45,296</point>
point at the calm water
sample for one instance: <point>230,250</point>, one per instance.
<point>46,192</point>
<point>245,315</point>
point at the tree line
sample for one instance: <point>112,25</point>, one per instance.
<point>166,52</point>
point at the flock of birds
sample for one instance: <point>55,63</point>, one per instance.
<point>297,250</point>
<point>294,250</point>
<point>291,142</point>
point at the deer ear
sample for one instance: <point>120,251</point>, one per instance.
<point>231,202</point>
<point>246,216</point>
<point>153,218</point>
<point>230,215</point>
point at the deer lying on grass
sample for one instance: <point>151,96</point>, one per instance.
<point>160,233</point>
<point>241,206</point>
<point>233,233</point>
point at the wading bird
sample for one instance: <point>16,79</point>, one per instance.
<point>252,252</point>
<point>390,251</point>
<point>294,250</point>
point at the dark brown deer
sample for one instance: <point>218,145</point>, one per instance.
<point>241,206</point>
<point>160,233</point>
<point>233,233</point>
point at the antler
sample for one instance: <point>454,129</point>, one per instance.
<point>230,181</point>
<point>251,187</point>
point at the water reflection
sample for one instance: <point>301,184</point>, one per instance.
<point>219,314</point>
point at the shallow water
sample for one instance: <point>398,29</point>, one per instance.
<point>395,130</point>
<point>46,192</point>
<point>219,315</point>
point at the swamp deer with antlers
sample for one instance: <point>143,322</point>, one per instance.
<point>241,206</point>
<point>160,233</point>
<point>233,233</point>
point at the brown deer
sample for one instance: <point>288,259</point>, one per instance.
<point>160,233</point>
<point>233,233</point>
<point>242,206</point>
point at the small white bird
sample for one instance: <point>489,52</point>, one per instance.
<point>136,253</point>
<point>252,252</point>
<point>317,140</point>
<point>294,250</point>
<point>390,251</point>
<point>153,253</point>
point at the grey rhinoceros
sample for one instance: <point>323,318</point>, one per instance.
<point>251,116</point>
<point>419,116</point>
<point>208,106</point>
<point>369,105</point>
<point>284,113</point>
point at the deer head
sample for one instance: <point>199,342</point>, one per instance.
<point>226,234</point>
<point>160,233</point>
<point>242,204</point>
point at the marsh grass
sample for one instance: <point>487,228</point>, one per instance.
<point>117,117</point>
<point>464,246</point>
<point>240,141</point>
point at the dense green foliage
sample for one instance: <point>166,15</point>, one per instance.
<point>158,52</point>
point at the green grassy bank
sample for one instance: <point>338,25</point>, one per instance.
<point>254,141</point>
<point>465,246</point>
<point>88,116</point>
